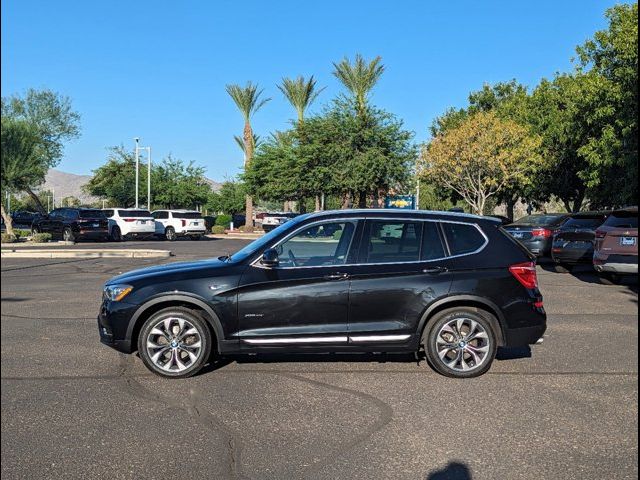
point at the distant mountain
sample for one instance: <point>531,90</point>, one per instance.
<point>70,185</point>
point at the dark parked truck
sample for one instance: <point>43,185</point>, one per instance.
<point>452,285</point>
<point>574,241</point>
<point>535,232</point>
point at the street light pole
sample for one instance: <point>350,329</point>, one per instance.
<point>137,168</point>
<point>149,178</point>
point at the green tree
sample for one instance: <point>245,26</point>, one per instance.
<point>230,199</point>
<point>52,120</point>
<point>114,180</point>
<point>481,157</point>
<point>176,184</point>
<point>248,101</point>
<point>21,153</point>
<point>609,63</point>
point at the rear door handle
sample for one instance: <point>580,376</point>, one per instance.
<point>336,276</point>
<point>435,270</point>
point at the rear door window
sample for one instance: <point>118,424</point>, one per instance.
<point>462,238</point>
<point>432,247</point>
<point>392,241</point>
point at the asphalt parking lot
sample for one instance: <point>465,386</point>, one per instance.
<point>73,408</point>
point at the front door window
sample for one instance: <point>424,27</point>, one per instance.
<point>324,244</point>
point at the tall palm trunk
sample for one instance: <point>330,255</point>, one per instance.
<point>248,155</point>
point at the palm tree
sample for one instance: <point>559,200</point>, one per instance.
<point>248,101</point>
<point>359,77</point>
<point>301,93</point>
<point>240,141</point>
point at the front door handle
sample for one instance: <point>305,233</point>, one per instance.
<point>435,270</point>
<point>336,276</point>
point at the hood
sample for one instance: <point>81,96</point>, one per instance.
<point>161,270</point>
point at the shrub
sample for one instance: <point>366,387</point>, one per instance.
<point>224,220</point>
<point>21,232</point>
<point>40,237</point>
<point>337,234</point>
<point>218,229</point>
<point>246,228</point>
<point>6,238</point>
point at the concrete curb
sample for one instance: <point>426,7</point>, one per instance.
<point>39,245</point>
<point>239,236</point>
<point>85,253</point>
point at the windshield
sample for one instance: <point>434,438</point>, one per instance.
<point>538,220</point>
<point>261,242</point>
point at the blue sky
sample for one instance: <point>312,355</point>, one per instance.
<point>157,69</point>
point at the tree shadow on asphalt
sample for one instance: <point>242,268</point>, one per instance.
<point>453,471</point>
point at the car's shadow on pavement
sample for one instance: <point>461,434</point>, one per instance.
<point>453,471</point>
<point>344,358</point>
<point>587,274</point>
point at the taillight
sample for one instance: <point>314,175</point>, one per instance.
<point>541,232</point>
<point>184,223</point>
<point>129,219</point>
<point>526,274</point>
<point>600,233</point>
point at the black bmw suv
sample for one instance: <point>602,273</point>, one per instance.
<point>457,286</point>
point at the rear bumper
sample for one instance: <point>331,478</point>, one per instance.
<point>192,232</point>
<point>521,337</point>
<point>91,234</point>
<point>572,255</point>
<point>615,263</point>
<point>538,246</point>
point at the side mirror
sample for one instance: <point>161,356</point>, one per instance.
<point>270,258</point>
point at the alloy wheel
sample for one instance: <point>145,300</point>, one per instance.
<point>174,344</point>
<point>463,344</point>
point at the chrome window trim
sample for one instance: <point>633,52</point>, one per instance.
<point>256,262</point>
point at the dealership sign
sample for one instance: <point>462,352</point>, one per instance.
<point>400,201</point>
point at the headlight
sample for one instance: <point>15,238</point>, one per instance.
<point>115,293</point>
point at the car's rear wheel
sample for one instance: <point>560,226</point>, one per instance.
<point>170,234</point>
<point>67,235</point>
<point>564,267</point>
<point>460,342</point>
<point>175,342</point>
<point>116,234</point>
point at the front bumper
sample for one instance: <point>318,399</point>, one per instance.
<point>113,325</point>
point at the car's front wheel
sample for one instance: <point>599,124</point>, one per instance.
<point>175,342</point>
<point>460,342</point>
<point>116,234</point>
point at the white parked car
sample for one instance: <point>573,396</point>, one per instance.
<point>126,223</point>
<point>179,223</point>
<point>273,220</point>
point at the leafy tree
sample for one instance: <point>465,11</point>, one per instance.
<point>481,157</point>
<point>248,101</point>
<point>70,201</point>
<point>22,153</point>
<point>609,62</point>
<point>115,180</point>
<point>229,200</point>
<point>176,184</point>
<point>52,119</point>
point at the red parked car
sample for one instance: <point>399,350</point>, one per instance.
<point>616,251</point>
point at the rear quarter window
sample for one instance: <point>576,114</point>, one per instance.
<point>462,238</point>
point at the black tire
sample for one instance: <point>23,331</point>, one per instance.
<point>67,235</point>
<point>608,278</point>
<point>192,366</point>
<point>170,234</point>
<point>564,267</point>
<point>35,230</point>
<point>483,319</point>
<point>116,234</point>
